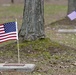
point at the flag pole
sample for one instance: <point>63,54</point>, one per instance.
<point>17,42</point>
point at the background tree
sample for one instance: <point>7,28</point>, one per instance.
<point>12,1</point>
<point>71,6</point>
<point>33,20</point>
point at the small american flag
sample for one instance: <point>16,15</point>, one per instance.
<point>8,31</point>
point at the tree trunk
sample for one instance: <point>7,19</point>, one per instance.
<point>12,1</point>
<point>71,6</point>
<point>33,20</point>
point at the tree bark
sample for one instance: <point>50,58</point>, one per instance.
<point>12,1</point>
<point>33,20</point>
<point>71,6</point>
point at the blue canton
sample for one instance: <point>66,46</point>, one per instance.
<point>10,27</point>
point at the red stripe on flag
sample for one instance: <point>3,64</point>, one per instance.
<point>8,40</point>
<point>2,31</point>
<point>2,28</point>
<point>1,24</point>
<point>8,37</point>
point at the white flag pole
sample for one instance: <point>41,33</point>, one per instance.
<point>17,42</point>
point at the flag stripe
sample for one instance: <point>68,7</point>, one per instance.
<point>1,32</point>
<point>14,38</point>
<point>6,34</point>
<point>7,37</point>
<point>2,28</point>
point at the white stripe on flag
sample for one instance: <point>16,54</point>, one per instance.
<point>8,39</point>
<point>5,34</point>
<point>2,29</point>
<point>1,26</point>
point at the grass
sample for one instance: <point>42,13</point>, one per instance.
<point>50,57</point>
<point>62,38</point>
<point>54,9</point>
<point>67,39</point>
<point>54,12</point>
<point>11,13</point>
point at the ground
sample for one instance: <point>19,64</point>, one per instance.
<point>50,57</point>
<point>55,55</point>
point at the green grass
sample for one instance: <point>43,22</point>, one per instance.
<point>11,13</point>
<point>54,9</point>
<point>62,38</point>
<point>54,12</point>
<point>11,10</point>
